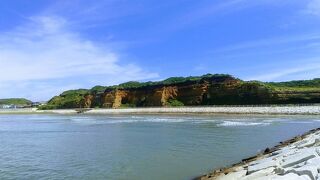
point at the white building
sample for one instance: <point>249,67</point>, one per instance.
<point>7,106</point>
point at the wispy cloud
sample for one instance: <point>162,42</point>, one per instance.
<point>44,48</point>
<point>203,11</point>
<point>313,7</point>
<point>298,71</point>
<point>274,41</point>
<point>217,9</point>
<point>274,59</point>
<point>94,13</point>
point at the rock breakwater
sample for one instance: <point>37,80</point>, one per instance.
<point>297,158</point>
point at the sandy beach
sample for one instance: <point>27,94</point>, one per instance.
<point>302,110</point>
<point>35,111</point>
<point>285,110</point>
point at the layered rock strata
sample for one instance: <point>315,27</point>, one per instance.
<point>204,91</point>
<point>214,91</point>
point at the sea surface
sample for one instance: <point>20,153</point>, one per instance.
<point>126,147</point>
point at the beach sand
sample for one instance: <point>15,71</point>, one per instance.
<point>285,110</point>
<point>302,110</point>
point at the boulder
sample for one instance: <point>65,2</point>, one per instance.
<point>259,174</point>
<point>302,156</point>
<point>266,163</point>
<point>233,175</point>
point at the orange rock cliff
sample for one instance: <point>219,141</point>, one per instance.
<point>204,90</point>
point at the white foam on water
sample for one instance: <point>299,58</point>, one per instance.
<point>300,122</point>
<point>228,122</point>
<point>200,121</point>
<point>143,119</point>
<point>86,121</point>
<point>151,120</point>
<point>117,120</point>
<point>242,123</point>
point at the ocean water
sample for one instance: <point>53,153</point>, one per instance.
<point>157,147</point>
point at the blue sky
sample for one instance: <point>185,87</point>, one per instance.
<point>47,47</point>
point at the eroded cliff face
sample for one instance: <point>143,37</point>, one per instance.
<point>113,98</point>
<point>168,93</point>
<point>88,100</point>
<point>293,97</point>
<point>235,92</point>
<point>140,97</point>
<point>208,91</point>
<point>215,90</point>
<point>192,94</point>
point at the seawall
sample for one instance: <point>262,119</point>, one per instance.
<point>297,158</point>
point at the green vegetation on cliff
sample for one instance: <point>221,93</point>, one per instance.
<point>302,85</point>
<point>68,99</point>
<point>209,89</point>
<point>15,101</point>
<point>174,103</point>
<point>169,81</point>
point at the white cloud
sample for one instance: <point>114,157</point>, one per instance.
<point>216,9</point>
<point>275,41</point>
<point>299,72</point>
<point>313,7</point>
<point>45,49</point>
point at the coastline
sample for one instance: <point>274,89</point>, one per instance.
<point>268,110</point>
<point>270,164</point>
<point>285,110</point>
<point>296,158</point>
<point>35,111</point>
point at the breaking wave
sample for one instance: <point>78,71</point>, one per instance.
<point>237,123</point>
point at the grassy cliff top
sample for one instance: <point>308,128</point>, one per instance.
<point>168,81</point>
<point>301,85</point>
<point>76,98</point>
<point>136,84</point>
<point>15,101</point>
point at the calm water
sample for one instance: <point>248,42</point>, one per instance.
<point>135,147</point>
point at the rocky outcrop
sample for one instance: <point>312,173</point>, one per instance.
<point>306,96</point>
<point>297,158</point>
<point>87,101</point>
<point>207,91</point>
<point>191,91</point>
<point>143,97</point>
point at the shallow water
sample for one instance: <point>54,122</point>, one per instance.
<point>135,147</point>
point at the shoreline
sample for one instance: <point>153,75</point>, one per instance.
<point>35,111</point>
<point>272,163</point>
<point>270,110</point>
<point>296,158</point>
<point>259,110</point>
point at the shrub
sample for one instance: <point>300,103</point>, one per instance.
<point>174,103</point>
<point>47,107</point>
<point>127,105</point>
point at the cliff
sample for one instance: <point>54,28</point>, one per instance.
<point>218,89</point>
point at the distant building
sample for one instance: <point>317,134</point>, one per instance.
<point>37,104</point>
<point>14,106</point>
<point>34,104</point>
<point>8,106</point>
